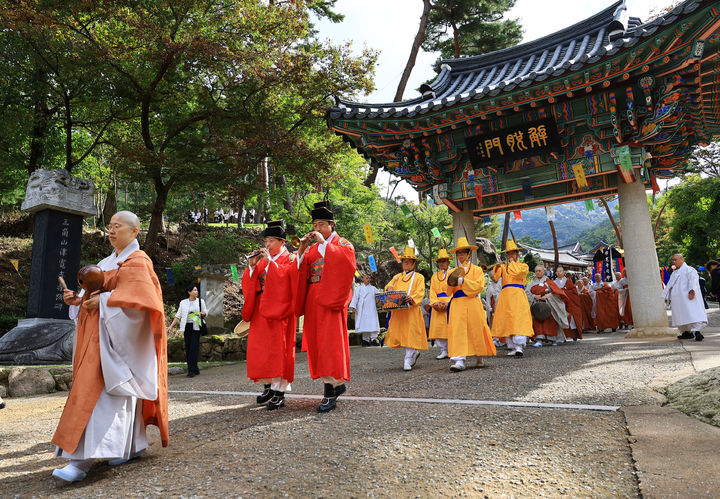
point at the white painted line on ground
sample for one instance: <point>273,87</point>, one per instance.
<point>584,407</point>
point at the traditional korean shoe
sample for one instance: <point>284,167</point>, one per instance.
<point>135,455</point>
<point>686,335</point>
<point>414,359</point>
<point>375,343</point>
<point>698,336</point>
<point>407,366</point>
<point>457,367</point>
<point>443,355</point>
<point>511,353</point>
<point>537,344</point>
<point>519,353</point>
<point>2,404</point>
<point>479,362</point>
<point>328,402</point>
<point>69,474</point>
<point>265,395</point>
<point>365,343</point>
<point>277,401</point>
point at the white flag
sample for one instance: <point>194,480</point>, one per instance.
<point>550,212</point>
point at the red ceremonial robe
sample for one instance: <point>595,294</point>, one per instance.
<point>548,327</point>
<point>574,309</point>
<point>587,306</point>
<point>270,310</point>
<point>607,310</point>
<point>324,291</point>
<point>627,317</point>
<point>135,285</point>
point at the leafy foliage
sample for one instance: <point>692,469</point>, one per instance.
<point>696,204</point>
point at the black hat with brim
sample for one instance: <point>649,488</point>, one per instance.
<point>321,211</point>
<point>275,229</point>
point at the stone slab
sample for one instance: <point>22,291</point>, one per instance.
<point>675,455</point>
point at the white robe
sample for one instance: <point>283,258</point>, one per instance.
<point>622,294</point>
<point>366,316</point>
<point>687,314</point>
<point>116,429</point>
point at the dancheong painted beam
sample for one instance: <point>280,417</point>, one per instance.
<point>563,118</point>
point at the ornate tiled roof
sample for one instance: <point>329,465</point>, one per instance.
<point>488,75</point>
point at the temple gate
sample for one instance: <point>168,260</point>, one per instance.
<point>606,106</point>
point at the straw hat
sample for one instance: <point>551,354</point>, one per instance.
<point>408,254</point>
<point>242,329</point>
<point>510,246</point>
<point>462,243</point>
<point>442,255</point>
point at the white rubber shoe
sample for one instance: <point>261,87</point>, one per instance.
<point>443,355</point>
<point>69,474</point>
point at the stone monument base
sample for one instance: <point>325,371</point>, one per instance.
<point>651,332</point>
<point>38,341</point>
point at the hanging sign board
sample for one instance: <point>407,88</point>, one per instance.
<point>501,146</point>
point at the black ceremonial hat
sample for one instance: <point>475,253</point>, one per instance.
<point>321,211</point>
<point>275,229</point>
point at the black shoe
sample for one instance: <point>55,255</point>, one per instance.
<point>2,405</point>
<point>277,401</point>
<point>365,343</point>
<point>328,403</point>
<point>698,336</point>
<point>518,353</point>
<point>686,335</point>
<point>265,395</point>
<point>375,343</point>
<point>190,375</point>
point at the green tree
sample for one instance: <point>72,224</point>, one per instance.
<point>696,204</point>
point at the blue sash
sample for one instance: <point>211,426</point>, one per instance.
<point>458,294</point>
<point>439,295</point>
<point>513,285</point>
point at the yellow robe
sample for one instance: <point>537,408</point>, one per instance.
<point>438,320</point>
<point>407,327</point>
<point>468,330</point>
<point>512,313</point>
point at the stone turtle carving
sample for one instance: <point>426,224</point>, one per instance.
<point>38,343</point>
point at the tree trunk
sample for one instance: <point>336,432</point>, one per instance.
<point>372,174</point>
<point>110,207</point>
<point>612,221</point>
<point>555,245</point>
<point>264,196</point>
<point>40,126</point>
<point>68,133</point>
<point>156,220</point>
<point>287,201</point>
<point>419,37</point>
<point>456,41</point>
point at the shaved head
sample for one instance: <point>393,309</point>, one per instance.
<point>129,218</point>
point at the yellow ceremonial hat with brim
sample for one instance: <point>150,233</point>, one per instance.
<point>510,246</point>
<point>408,254</point>
<point>462,243</point>
<point>442,255</point>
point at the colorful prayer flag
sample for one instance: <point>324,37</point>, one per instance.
<point>579,172</point>
<point>368,234</point>
<point>234,272</point>
<point>550,213</point>
<point>589,206</point>
<point>435,232</point>
<point>625,158</point>
<point>405,210</point>
<point>15,263</point>
<point>395,253</point>
<point>373,265</point>
<point>518,215</point>
<point>170,277</point>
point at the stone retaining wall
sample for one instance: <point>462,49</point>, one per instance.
<point>212,348</point>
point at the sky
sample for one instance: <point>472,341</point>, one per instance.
<point>389,26</point>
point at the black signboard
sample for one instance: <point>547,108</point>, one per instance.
<point>501,146</point>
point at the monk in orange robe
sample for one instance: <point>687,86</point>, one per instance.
<point>572,304</point>
<point>586,302</point>
<point>324,291</point>
<point>543,290</point>
<point>268,288</point>
<point>606,308</point>
<point>120,361</point>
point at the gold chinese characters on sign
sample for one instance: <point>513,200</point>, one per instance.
<point>513,143</point>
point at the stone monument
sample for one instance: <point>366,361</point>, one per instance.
<point>212,290</point>
<point>60,201</point>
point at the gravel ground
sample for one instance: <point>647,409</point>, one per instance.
<point>224,445</point>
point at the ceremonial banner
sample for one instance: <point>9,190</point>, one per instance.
<point>579,172</point>
<point>435,232</point>
<point>395,254</point>
<point>373,265</point>
<point>625,158</point>
<point>170,277</point>
<point>527,188</point>
<point>368,233</point>
<point>518,215</point>
<point>589,206</point>
<point>550,213</point>
<point>234,272</point>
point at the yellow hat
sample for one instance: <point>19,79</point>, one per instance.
<point>408,254</point>
<point>442,255</point>
<point>510,246</point>
<point>462,243</point>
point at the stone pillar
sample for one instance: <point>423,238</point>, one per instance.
<point>649,315</point>
<point>464,226</point>
<point>212,290</point>
<point>60,202</point>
